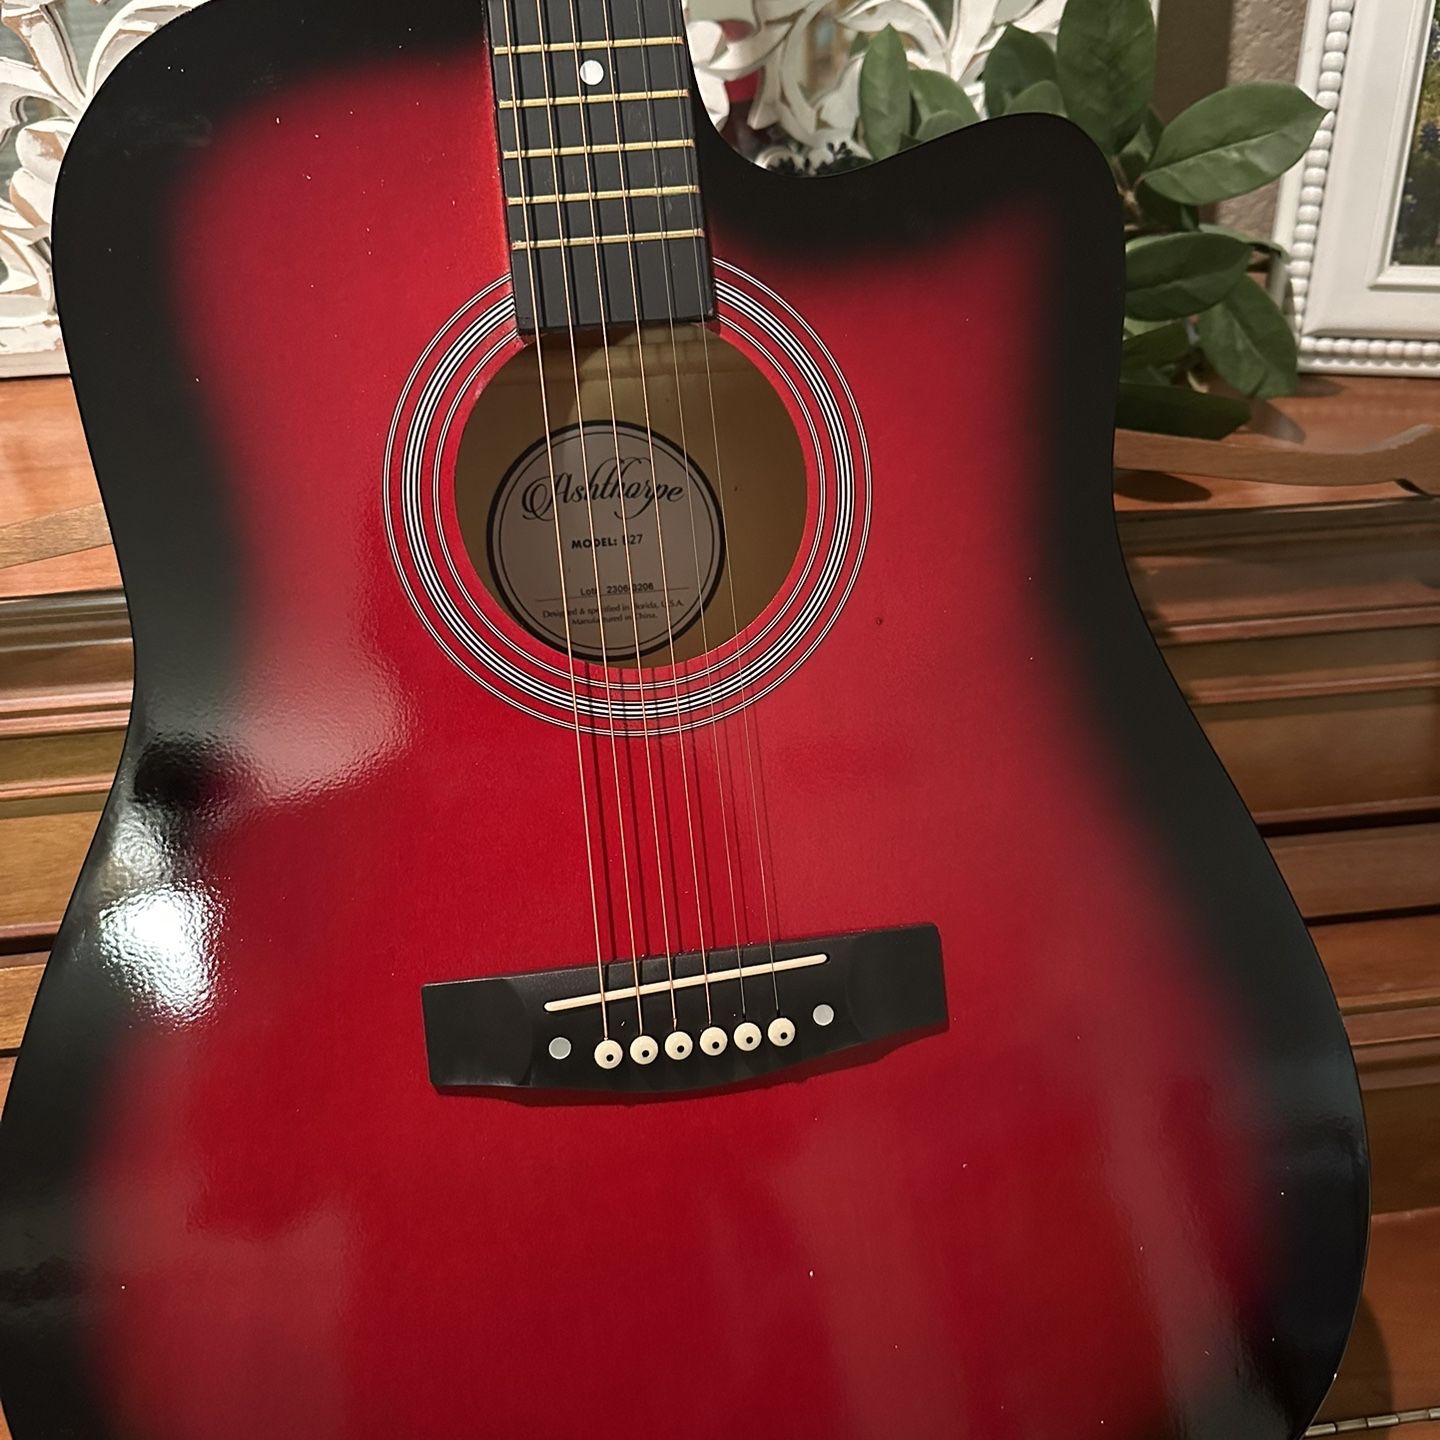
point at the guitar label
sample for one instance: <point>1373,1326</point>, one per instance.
<point>605,539</point>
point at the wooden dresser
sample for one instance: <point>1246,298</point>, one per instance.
<point>1305,629</point>
<point>1304,626</point>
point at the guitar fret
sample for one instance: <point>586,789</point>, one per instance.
<point>644,192</point>
<point>544,102</point>
<point>613,239</point>
<point>544,152</point>
<point>650,41</point>
<point>598,153</point>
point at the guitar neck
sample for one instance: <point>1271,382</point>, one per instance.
<point>597,153</point>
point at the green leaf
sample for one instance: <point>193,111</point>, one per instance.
<point>936,94</point>
<point>942,122</point>
<point>1232,142</point>
<point>1259,242</point>
<point>1017,61</point>
<point>1042,99</point>
<point>885,93</point>
<point>1136,155</point>
<point>1247,339</point>
<point>1105,58</point>
<point>1142,327</point>
<point>1178,410</point>
<point>1168,277</point>
<point>1161,345</point>
<point>1144,375</point>
<point>1164,213</point>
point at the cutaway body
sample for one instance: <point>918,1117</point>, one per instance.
<point>1120,1192</point>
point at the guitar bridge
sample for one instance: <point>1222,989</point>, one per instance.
<point>688,1022</point>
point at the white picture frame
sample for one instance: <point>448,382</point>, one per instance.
<point>1356,310</point>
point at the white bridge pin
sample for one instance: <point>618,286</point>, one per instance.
<point>643,1049</point>
<point>713,1040</point>
<point>747,1035</point>
<point>781,1031</point>
<point>608,1054</point>
<point>678,1045</point>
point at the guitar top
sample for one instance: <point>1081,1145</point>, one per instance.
<point>658,882</point>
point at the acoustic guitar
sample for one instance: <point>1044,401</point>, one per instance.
<point>658,884</point>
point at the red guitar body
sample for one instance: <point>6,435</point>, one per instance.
<point>1120,1193</point>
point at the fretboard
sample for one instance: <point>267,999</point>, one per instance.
<point>597,150</point>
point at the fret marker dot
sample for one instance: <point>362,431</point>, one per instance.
<point>822,1015</point>
<point>559,1048</point>
<point>592,72</point>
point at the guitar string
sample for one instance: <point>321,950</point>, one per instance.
<point>749,748</point>
<point>543,57</point>
<point>511,40</point>
<point>586,128</point>
<point>752,758</point>
<point>671,308</point>
<point>631,228</point>
<point>590,188</point>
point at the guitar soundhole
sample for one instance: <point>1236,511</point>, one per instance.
<point>650,504</point>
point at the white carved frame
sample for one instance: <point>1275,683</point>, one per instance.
<point>53,75</point>
<point>1355,312</point>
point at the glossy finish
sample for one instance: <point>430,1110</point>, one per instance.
<point>1122,1195</point>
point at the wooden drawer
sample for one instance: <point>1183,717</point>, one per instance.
<point>1308,640</point>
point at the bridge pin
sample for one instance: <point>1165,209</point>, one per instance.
<point>747,1035</point>
<point>713,1040</point>
<point>608,1054</point>
<point>678,1045</point>
<point>643,1049</point>
<point>780,1031</point>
